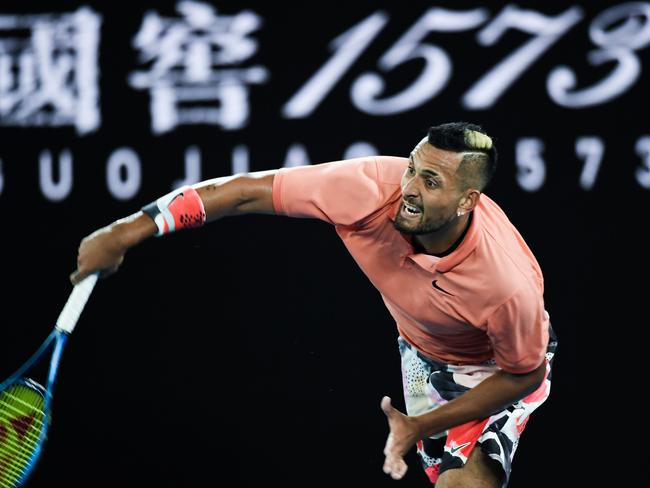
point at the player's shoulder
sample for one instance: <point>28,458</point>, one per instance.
<point>391,168</point>
<point>496,223</point>
<point>491,207</point>
<point>511,262</point>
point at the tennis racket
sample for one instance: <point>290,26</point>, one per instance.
<point>25,403</point>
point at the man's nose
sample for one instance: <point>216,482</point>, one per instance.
<point>410,187</point>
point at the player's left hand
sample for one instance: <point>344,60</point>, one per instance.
<point>404,433</point>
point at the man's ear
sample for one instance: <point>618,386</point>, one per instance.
<point>469,200</point>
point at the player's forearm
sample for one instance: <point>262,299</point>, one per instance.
<point>231,195</point>
<point>104,249</point>
<point>488,397</point>
<point>133,229</point>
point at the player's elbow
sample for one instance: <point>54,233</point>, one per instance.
<point>532,380</point>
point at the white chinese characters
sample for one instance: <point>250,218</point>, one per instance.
<point>49,70</point>
<point>194,73</point>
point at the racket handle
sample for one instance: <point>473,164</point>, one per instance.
<point>75,304</point>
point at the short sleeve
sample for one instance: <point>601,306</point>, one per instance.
<point>340,192</point>
<point>518,330</point>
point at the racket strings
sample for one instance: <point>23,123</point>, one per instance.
<point>18,451</point>
<point>22,419</point>
<point>9,474</point>
<point>20,422</point>
<point>15,400</point>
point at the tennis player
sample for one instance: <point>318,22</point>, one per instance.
<point>463,287</point>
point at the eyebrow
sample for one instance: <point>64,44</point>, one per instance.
<point>425,171</point>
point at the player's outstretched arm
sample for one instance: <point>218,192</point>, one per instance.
<point>209,200</point>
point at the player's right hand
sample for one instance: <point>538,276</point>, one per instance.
<point>402,437</point>
<point>102,251</point>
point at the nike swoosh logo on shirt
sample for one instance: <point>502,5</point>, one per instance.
<point>435,285</point>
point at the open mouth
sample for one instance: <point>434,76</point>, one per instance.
<point>409,210</point>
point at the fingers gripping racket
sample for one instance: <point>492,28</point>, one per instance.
<point>25,403</point>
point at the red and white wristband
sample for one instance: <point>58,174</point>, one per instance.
<point>180,209</point>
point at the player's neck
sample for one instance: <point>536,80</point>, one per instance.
<point>444,241</point>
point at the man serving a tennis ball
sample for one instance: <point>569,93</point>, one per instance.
<point>463,287</point>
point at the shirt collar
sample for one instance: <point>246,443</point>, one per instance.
<point>453,259</point>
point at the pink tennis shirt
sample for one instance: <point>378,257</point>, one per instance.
<point>484,300</point>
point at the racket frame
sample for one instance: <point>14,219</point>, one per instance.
<point>57,339</point>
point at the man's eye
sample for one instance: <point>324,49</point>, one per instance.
<point>411,170</point>
<point>431,183</point>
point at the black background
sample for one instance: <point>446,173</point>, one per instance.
<point>255,348</point>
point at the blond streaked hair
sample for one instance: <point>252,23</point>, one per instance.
<point>477,140</point>
<point>480,154</point>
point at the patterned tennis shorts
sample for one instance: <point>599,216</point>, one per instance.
<point>429,384</point>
